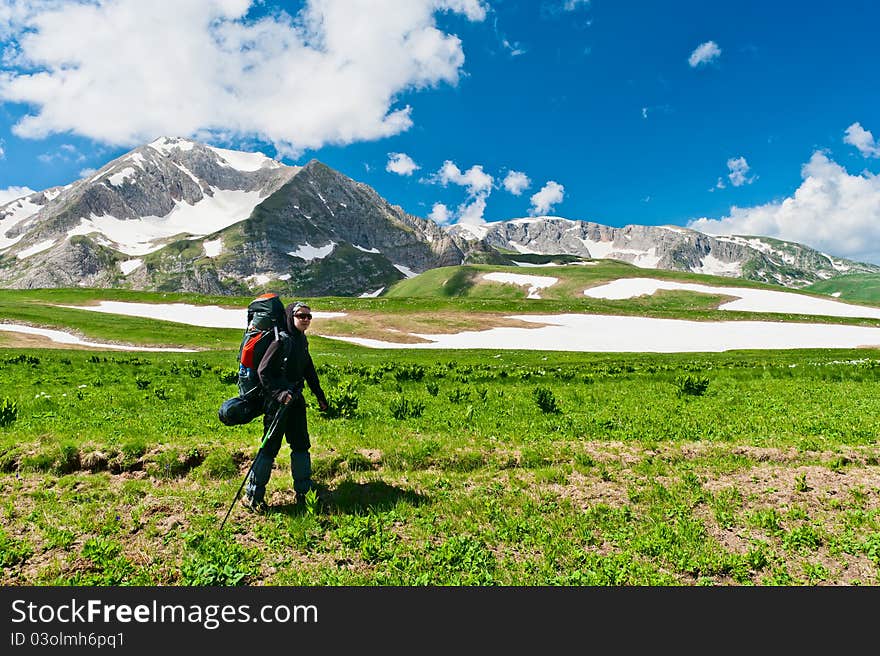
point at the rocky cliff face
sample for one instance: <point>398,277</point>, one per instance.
<point>176,215</point>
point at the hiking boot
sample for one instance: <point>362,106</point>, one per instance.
<point>260,507</point>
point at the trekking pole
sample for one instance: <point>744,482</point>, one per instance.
<point>270,431</point>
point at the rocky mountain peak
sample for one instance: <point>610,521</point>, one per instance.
<point>179,215</point>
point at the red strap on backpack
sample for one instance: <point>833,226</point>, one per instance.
<point>247,351</point>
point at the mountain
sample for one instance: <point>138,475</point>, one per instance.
<point>177,215</point>
<point>674,248</point>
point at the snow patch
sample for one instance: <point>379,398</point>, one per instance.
<point>36,248</point>
<point>207,316</point>
<point>520,248</point>
<point>130,265</point>
<point>534,283</point>
<point>409,273</point>
<point>748,300</point>
<point>62,337</point>
<point>538,219</point>
<point>259,279</point>
<point>17,211</point>
<point>713,266</point>
<point>141,236</point>
<point>190,174</point>
<point>245,161</point>
<point>618,334</point>
<point>324,200</point>
<point>646,259</point>
<point>214,247</point>
<point>530,264</point>
<point>117,179</point>
<point>167,144</point>
<point>472,231</point>
<point>308,252</point>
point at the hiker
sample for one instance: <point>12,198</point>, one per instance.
<point>283,370</point>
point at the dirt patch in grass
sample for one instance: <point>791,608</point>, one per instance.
<point>399,328</point>
<point>586,491</point>
<point>809,497</point>
<point>26,341</point>
<point>153,515</point>
<point>802,498</point>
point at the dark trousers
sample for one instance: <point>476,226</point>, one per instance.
<point>294,429</point>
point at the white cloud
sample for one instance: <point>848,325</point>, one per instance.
<point>543,201</point>
<point>475,10</point>
<point>650,110</point>
<point>440,214</point>
<point>704,53</point>
<point>11,193</point>
<point>514,49</point>
<point>832,211</point>
<point>739,170</point>
<point>475,179</point>
<point>478,184</point>
<point>472,212</point>
<point>329,75</point>
<point>64,154</point>
<point>516,182</point>
<point>862,139</point>
<point>571,5</point>
<point>401,164</point>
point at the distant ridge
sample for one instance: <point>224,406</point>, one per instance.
<point>178,215</point>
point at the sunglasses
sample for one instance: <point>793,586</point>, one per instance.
<point>307,317</point>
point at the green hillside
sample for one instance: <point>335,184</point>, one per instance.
<point>467,287</point>
<point>466,281</point>
<point>860,287</point>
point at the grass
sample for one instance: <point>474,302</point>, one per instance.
<point>464,468</point>
<point>473,468</point>
<point>448,299</point>
<point>856,287</point>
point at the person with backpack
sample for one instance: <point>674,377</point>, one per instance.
<point>284,370</point>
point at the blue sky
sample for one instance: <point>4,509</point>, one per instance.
<point>732,118</point>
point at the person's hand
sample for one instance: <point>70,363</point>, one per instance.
<point>286,397</point>
<point>322,406</point>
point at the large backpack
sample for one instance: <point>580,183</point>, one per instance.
<point>266,322</point>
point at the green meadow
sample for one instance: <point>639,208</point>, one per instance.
<point>458,468</point>
<point>858,287</point>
